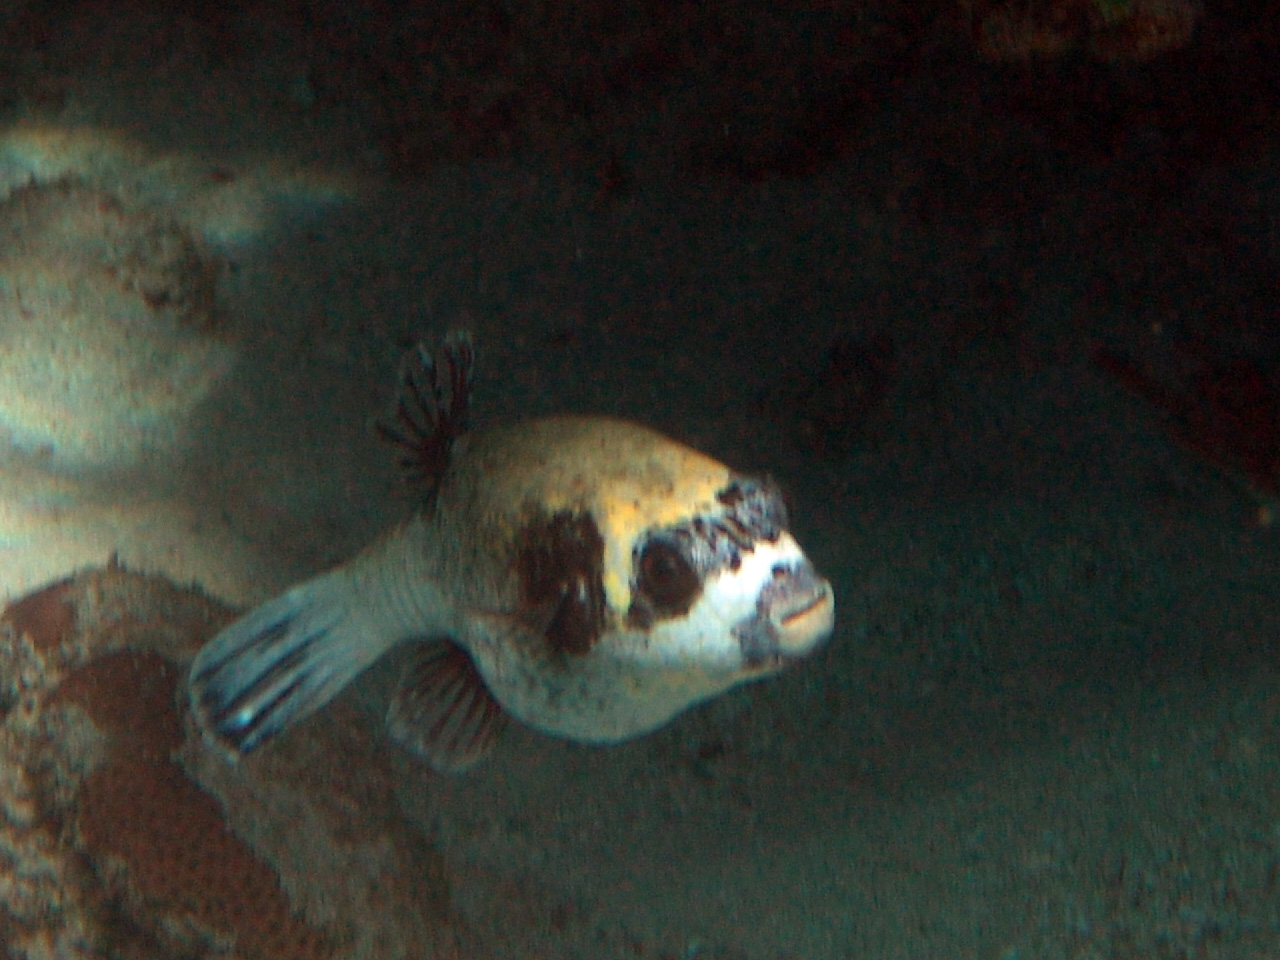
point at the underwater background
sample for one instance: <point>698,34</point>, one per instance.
<point>992,288</point>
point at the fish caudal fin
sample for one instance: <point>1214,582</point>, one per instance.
<point>443,712</point>
<point>432,407</point>
<point>280,662</point>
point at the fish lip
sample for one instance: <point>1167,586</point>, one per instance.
<point>805,623</point>
<point>794,616</point>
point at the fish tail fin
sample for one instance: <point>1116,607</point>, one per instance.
<point>280,662</point>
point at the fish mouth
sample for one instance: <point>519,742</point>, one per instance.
<point>806,622</point>
<point>794,615</point>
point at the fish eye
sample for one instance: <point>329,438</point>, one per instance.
<point>666,578</point>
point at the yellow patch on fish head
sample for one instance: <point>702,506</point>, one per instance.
<point>669,485</point>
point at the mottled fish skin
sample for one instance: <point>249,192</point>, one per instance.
<point>594,577</point>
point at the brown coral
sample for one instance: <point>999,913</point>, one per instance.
<point>44,618</point>
<point>1107,29</point>
<point>128,694</point>
<point>140,815</point>
<point>122,833</point>
<point>158,845</point>
<point>183,866</point>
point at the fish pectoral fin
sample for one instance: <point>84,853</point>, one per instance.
<point>443,711</point>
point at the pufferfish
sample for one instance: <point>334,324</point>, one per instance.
<point>586,576</point>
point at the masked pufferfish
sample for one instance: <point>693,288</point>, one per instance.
<point>585,575</point>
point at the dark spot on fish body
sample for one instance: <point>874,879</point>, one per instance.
<point>575,627</point>
<point>731,496</point>
<point>755,507</point>
<point>560,561</point>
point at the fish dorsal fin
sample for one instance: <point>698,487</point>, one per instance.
<point>443,711</point>
<point>433,404</point>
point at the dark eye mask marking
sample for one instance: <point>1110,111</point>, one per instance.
<point>671,564</point>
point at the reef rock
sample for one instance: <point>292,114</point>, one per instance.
<point>125,835</point>
<point>107,327</point>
